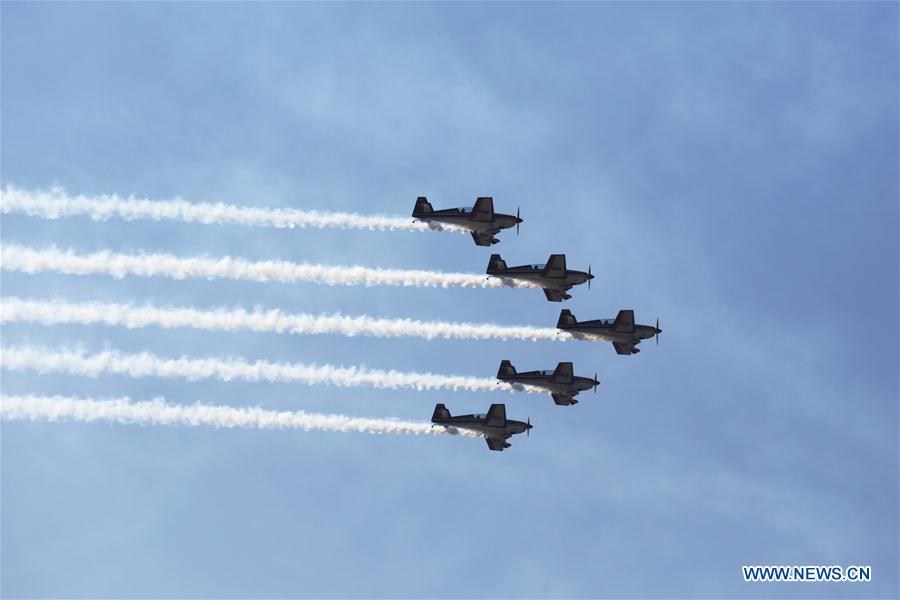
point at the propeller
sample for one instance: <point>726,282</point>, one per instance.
<point>518,219</point>
<point>657,331</point>
<point>595,384</point>
<point>589,280</point>
<point>528,429</point>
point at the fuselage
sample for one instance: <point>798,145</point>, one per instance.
<point>463,218</point>
<point>478,423</point>
<point>544,380</point>
<point>602,329</point>
<point>528,273</point>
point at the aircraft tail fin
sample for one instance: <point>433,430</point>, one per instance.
<point>422,207</point>
<point>506,369</point>
<point>563,373</point>
<point>440,412</point>
<point>566,318</point>
<point>496,264</point>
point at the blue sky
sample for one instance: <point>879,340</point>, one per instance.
<point>729,168</point>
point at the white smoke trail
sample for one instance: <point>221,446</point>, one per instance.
<point>13,310</point>
<point>55,203</point>
<point>30,260</point>
<point>159,412</point>
<point>78,362</point>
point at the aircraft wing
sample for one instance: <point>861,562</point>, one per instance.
<point>556,295</point>
<point>483,209</point>
<point>563,373</point>
<point>624,321</point>
<point>483,238</point>
<point>556,266</point>
<point>624,348</point>
<point>495,443</point>
<point>496,416</point>
<point>564,399</point>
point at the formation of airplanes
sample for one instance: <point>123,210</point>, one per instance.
<point>556,279</point>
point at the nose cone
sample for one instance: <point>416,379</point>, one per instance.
<point>658,330</point>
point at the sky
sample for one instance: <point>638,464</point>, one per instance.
<point>728,168</point>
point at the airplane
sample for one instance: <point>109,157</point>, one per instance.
<point>553,276</point>
<point>622,331</point>
<point>481,219</point>
<point>494,425</point>
<point>561,383</point>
